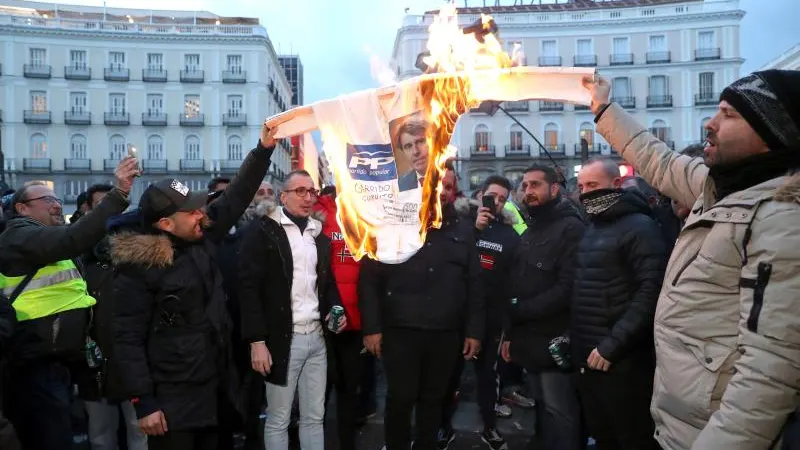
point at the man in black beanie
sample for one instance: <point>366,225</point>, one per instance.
<point>727,332</point>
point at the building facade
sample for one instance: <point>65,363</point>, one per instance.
<point>788,60</point>
<point>667,61</point>
<point>293,69</point>
<point>79,85</point>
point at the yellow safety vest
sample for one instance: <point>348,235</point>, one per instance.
<point>55,288</point>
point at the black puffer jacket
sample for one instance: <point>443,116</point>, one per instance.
<point>620,267</point>
<point>541,281</point>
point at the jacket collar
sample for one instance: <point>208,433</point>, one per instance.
<point>783,189</point>
<point>466,207</point>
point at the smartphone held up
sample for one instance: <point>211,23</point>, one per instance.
<point>133,154</point>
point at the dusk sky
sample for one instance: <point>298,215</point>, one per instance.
<point>336,38</point>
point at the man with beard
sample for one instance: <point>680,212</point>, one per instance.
<point>620,266</point>
<point>415,316</point>
<point>171,326</point>
<point>726,328</point>
<point>539,311</point>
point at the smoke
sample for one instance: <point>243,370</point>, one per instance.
<point>380,69</point>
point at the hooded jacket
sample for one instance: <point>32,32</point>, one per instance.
<point>727,332</point>
<point>620,266</point>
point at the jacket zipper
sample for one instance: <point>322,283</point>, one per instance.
<point>764,272</point>
<point>683,269</point>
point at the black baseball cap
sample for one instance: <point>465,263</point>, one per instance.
<point>166,197</point>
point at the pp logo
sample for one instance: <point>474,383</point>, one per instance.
<point>374,162</point>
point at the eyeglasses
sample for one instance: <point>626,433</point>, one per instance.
<point>49,199</point>
<point>302,191</point>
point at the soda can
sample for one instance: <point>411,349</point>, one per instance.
<point>337,313</point>
<point>559,350</point>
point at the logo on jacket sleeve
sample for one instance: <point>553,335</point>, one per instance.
<point>373,162</point>
<point>487,261</point>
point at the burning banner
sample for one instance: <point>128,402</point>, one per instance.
<point>387,147</point>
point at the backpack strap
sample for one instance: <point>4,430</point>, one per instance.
<point>21,287</point>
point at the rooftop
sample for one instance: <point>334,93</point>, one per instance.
<point>572,5</point>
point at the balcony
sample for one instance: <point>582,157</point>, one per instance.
<point>551,106</point>
<point>482,150</point>
<point>585,60</point>
<point>555,149</point>
<point>582,107</point>
<point>110,164</point>
<point>234,120</point>
<point>625,102</point>
<point>706,99</point>
<point>193,76</point>
<point>37,117</point>
<point>78,72</point>
<point>621,59</point>
<point>117,118</point>
<point>197,120</point>
<point>116,74</point>
<point>518,150</point>
<point>229,165</point>
<point>705,54</point>
<point>594,150</point>
<point>154,165</point>
<point>154,75</point>
<point>77,117</point>
<point>549,61</point>
<point>37,71</point>
<point>659,101</point>
<point>234,76</point>
<point>77,165</point>
<point>154,120</point>
<point>40,165</point>
<point>658,57</point>
<point>192,165</point>
<point>520,106</point>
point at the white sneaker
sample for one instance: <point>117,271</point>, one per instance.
<point>502,411</point>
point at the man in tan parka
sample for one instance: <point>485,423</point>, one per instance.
<point>727,325</point>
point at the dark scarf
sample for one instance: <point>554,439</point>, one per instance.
<point>543,211</point>
<point>597,202</point>
<point>301,222</point>
<point>753,170</point>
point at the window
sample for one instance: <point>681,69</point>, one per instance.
<point>621,46</point>
<point>192,147</point>
<point>476,179</point>
<point>658,87</point>
<point>192,62</point>
<point>191,106</point>
<point>586,133</point>
<point>705,40</point>
<point>658,43</point>
<point>516,50</point>
<point>116,104</point>
<point>38,56</point>
<point>155,104</point>
<point>549,48</point>
<point>515,141</point>
<point>703,130</point>
<point>155,61</point>
<point>116,60</point>
<point>706,85</point>
<point>235,105</point>
<point>155,147</point>
<point>77,59</point>
<point>235,148</point>
<point>38,148</point>
<point>235,63</point>
<point>514,176</point>
<point>77,102</point>
<point>551,136</point>
<point>116,147</point>
<point>621,87</point>
<point>660,130</point>
<point>481,138</point>
<point>77,147</point>
<point>584,47</point>
<point>74,188</point>
<point>39,101</point>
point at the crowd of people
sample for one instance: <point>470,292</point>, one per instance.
<point>645,313</point>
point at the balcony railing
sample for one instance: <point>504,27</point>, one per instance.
<point>520,106</point>
<point>192,165</point>
<point>581,107</point>
<point>37,164</point>
<point>197,120</point>
<point>658,57</point>
<point>706,99</point>
<point>234,76</point>
<point>549,61</point>
<point>625,102</point>
<point>229,165</point>
<point>116,74</point>
<point>585,60</point>
<point>78,165</point>
<point>37,70</point>
<point>110,164</point>
<point>550,106</point>
<point>154,165</point>
<point>193,76</point>
<point>518,150</point>
<point>621,59</point>
<point>555,149</point>
<point>594,150</point>
<point>154,119</point>
<point>78,72</point>
<point>117,118</point>
<point>154,75</point>
<point>234,120</point>
<point>659,101</point>
<point>482,150</point>
<point>704,54</point>
<point>37,117</point>
<point>77,117</point>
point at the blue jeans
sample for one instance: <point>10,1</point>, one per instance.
<point>308,376</point>
<point>40,398</point>
<point>558,412</point>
